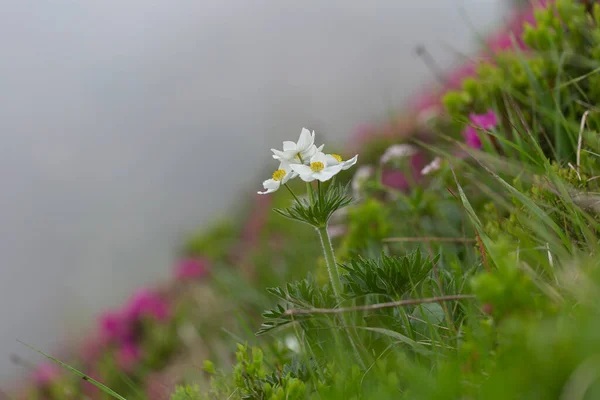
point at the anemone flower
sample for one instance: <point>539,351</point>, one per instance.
<point>319,168</point>
<point>300,151</point>
<point>279,178</point>
<point>336,159</point>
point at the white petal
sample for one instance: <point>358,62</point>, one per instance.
<point>307,177</point>
<point>328,173</point>
<point>398,151</point>
<point>308,153</point>
<point>320,148</point>
<point>305,140</point>
<point>349,163</point>
<point>301,169</point>
<point>360,177</point>
<point>291,175</point>
<point>277,154</point>
<point>319,157</point>
<point>270,186</point>
<point>331,160</point>
<point>287,155</point>
<point>287,145</point>
<point>433,166</point>
<point>288,175</point>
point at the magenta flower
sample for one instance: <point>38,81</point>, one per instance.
<point>146,303</point>
<point>45,374</point>
<point>128,355</point>
<point>394,179</point>
<point>502,40</point>
<point>402,180</point>
<point>114,326</point>
<point>485,121</point>
<point>472,138</point>
<point>191,268</point>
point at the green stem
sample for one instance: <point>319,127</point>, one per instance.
<point>290,190</point>
<point>334,275</point>
<point>320,195</point>
<point>336,285</point>
<point>311,194</point>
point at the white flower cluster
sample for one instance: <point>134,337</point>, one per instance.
<point>304,159</point>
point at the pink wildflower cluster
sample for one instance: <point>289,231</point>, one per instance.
<point>191,268</point>
<point>46,374</point>
<point>409,173</point>
<point>504,39</point>
<point>119,328</point>
<point>479,121</point>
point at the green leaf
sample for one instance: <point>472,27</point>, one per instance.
<point>83,376</point>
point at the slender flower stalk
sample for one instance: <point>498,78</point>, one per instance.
<point>311,194</point>
<point>332,269</point>
<point>292,193</point>
<point>336,285</point>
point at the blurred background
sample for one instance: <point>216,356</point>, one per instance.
<point>124,125</point>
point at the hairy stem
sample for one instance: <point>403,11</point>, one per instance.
<point>311,194</point>
<point>336,284</point>
<point>334,275</point>
<point>378,306</point>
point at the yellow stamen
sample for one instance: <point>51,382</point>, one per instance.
<point>316,166</point>
<point>278,175</point>
<point>337,157</point>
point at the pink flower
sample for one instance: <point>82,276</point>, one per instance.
<point>472,138</point>
<point>146,303</point>
<point>394,179</point>
<point>45,374</point>
<point>399,180</point>
<point>485,121</point>
<point>502,40</point>
<point>114,326</point>
<point>192,268</point>
<point>128,355</point>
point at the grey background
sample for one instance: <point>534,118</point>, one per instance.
<point>126,124</point>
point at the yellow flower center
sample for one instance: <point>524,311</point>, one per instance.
<point>316,166</point>
<point>337,157</point>
<point>278,175</point>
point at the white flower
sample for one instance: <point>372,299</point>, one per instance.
<point>299,152</point>
<point>291,342</point>
<point>318,168</point>
<point>433,166</point>
<point>397,151</point>
<point>362,175</point>
<point>280,177</point>
<point>335,159</point>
